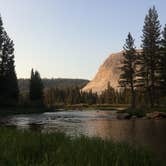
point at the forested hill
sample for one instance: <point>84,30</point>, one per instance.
<point>60,83</point>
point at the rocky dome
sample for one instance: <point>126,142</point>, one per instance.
<point>109,71</point>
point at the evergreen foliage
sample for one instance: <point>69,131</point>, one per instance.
<point>128,76</point>
<point>149,61</point>
<point>9,91</point>
<point>108,96</point>
<point>60,83</point>
<point>163,62</point>
<point>36,87</point>
<point>71,96</point>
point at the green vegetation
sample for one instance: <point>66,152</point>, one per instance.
<point>6,111</point>
<point>163,62</point>
<point>138,112</point>
<point>36,149</point>
<point>128,76</point>
<point>9,91</point>
<point>141,112</point>
<point>61,83</point>
<point>149,61</point>
<point>72,96</point>
<point>109,107</point>
<point>145,72</point>
<point>36,87</point>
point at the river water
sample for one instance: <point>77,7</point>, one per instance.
<point>104,124</point>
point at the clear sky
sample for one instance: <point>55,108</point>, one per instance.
<point>71,38</point>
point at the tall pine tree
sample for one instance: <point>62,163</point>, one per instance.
<point>163,63</point>
<point>9,91</point>
<point>149,60</point>
<point>31,85</point>
<point>36,87</point>
<point>128,76</point>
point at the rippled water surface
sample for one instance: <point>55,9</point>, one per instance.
<point>150,133</point>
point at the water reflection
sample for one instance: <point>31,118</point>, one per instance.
<point>151,133</point>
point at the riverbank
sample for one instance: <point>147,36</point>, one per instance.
<point>146,113</point>
<point>34,148</point>
<point>104,107</point>
<point>123,110</point>
<point>5,111</point>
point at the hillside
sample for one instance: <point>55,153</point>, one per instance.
<point>109,71</point>
<point>53,83</point>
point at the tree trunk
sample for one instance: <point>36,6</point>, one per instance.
<point>152,96</point>
<point>132,96</point>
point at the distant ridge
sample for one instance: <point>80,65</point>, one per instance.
<point>54,82</point>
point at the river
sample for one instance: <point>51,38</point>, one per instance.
<point>104,124</point>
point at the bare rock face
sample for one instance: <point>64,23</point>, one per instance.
<point>109,71</point>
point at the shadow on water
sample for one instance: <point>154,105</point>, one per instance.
<point>149,133</point>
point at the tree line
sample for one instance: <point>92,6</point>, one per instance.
<point>74,95</point>
<point>61,83</point>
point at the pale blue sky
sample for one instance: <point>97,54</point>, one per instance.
<point>71,38</point>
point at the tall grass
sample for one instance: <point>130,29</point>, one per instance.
<point>29,148</point>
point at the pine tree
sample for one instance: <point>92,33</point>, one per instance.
<point>31,86</point>
<point>149,60</point>
<point>128,76</point>
<point>9,91</point>
<point>36,87</point>
<point>163,62</point>
<point>108,95</point>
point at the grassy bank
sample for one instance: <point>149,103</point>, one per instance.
<point>5,111</point>
<point>121,108</point>
<point>91,107</point>
<point>141,112</point>
<point>18,148</point>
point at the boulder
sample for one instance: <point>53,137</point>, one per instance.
<point>134,117</point>
<point>122,116</point>
<point>156,115</point>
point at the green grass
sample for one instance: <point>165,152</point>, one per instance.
<point>138,112</point>
<point>88,107</point>
<point>28,148</point>
<point>6,111</point>
<point>141,112</point>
